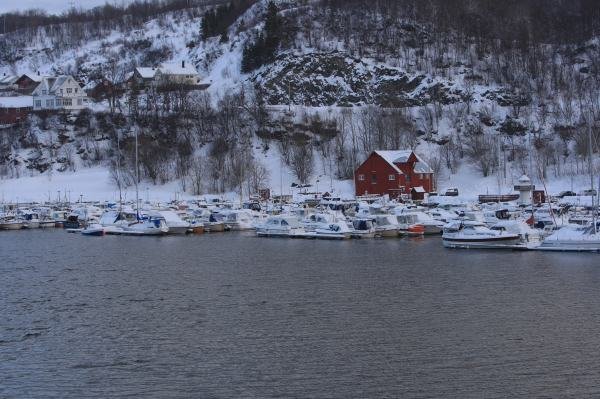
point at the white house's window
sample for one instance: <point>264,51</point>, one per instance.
<point>58,102</point>
<point>79,101</point>
<point>361,177</point>
<point>69,90</point>
<point>61,91</point>
<point>49,103</point>
<point>67,102</point>
<point>76,89</point>
<point>44,92</point>
<point>392,177</point>
<point>38,103</point>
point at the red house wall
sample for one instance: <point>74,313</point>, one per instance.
<point>12,115</point>
<point>376,165</point>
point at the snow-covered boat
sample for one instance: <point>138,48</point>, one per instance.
<point>148,226</point>
<point>280,226</point>
<point>408,225</point>
<point>362,228</point>
<point>573,238</point>
<point>386,226</point>
<point>31,220</point>
<point>470,234</point>
<point>334,231</point>
<point>240,219</point>
<point>94,230</point>
<point>11,224</point>
<point>431,225</point>
<point>175,224</point>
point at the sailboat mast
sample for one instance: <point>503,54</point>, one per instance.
<point>591,167</point>
<point>137,178</point>
<point>119,172</point>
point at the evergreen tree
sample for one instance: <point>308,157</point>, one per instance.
<point>264,48</point>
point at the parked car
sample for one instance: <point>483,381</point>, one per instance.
<point>588,192</point>
<point>452,192</point>
<point>563,194</point>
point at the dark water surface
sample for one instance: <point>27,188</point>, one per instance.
<point>234,316</point>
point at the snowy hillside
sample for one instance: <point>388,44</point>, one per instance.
<point>476,109</point>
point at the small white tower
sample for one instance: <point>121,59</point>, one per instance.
<point>524,187</point>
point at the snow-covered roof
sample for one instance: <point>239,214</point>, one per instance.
<point>58,82</point>
<point>422,167</point>
<point>16,102</point>
<point>401,156</point>
<point>33,76</point>
<point>419,189</point>
<point>52,84</point>
<point>146,73</point>
<point>392,156</point>
<point>178,68</point>
<point>8,79</point>
<point>524,179</point>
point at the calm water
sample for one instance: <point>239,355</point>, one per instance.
<point>234,316</point>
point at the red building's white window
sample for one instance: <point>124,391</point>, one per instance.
<point>361,177</point>
<point>373,178</point>
<point>392,177</point>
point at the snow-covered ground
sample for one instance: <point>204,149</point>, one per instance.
<point>92,184</point>
<point>96,184</point>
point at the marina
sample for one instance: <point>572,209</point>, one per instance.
<point>556,225</point>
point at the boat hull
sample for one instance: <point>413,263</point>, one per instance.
<point>495,243</point>
<point>174,230</point>
<point>214,227</point>
<point>572,246</point>
<point>11,226</point>
<point>388,233</point>
<point>93,232</point>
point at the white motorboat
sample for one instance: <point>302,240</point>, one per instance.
<point>362,228</point>
<point>94,230</point>
<point>334,231</point>
<point>148,226</point>
<point>386,226</point>
<point>431,225</point>
<point>574,238</point>
<point>281,226</point>
<point>318,221</point>
<point>11,224</point>
<point>241,219</point>
<point>470,234</point>
<point>31,220</point>
<point>175,224</point>
<point>408,224</point>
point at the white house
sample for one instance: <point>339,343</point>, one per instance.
<point>177,73</point>
<point>59,93</point>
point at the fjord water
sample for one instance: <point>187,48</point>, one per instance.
<point>231,315</point>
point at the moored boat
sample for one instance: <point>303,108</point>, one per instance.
<point>281,226</point>
<point>471,234</point>
<point>573,238</point>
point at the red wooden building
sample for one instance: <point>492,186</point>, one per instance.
<point>14,109</point>
<point>26,83</point>
<point>393,173</point>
